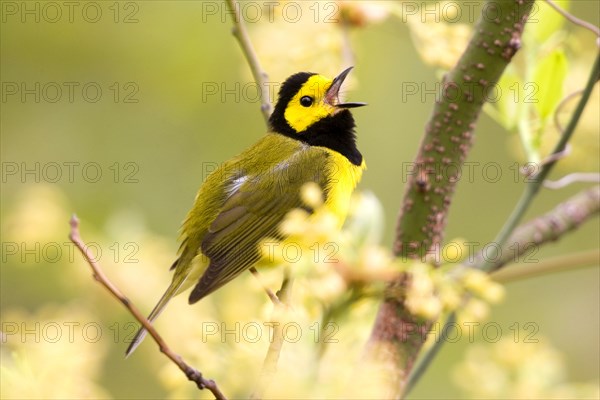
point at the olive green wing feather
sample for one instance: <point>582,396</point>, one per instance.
<point>252,212</point>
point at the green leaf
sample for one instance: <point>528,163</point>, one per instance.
<point>544,21</point>
<point>549,76</point>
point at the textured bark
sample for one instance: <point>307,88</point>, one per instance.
<point>397,336</point>
<point>565,217</point>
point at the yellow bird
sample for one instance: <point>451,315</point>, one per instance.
<point>310,139</point>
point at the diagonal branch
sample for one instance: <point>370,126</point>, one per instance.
<point>191,373</point>
<point>449,134</point>
<point>537,181</point>
<point>565,217</point>
<point>260,77</point>
<point>589,198</point>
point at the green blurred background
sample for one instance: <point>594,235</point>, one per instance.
<point>156,130</point>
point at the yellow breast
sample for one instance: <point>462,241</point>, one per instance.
<point>344,176</point>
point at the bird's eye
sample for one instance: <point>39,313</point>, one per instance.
<point>306,101</point>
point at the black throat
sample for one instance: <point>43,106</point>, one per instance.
<point>336,132</point>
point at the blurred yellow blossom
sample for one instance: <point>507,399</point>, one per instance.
<point>341,267</point>
<point>295,222</point>
<point>39,214</point>
<point>480,284</point>
<point>54,353</point>
<point>432,290</point>
<point>312,195</point>
<point>362,13</point>
<point>518,369</point>
<point>454,251</point>
<point>289,23</point>
<point>438,37</point>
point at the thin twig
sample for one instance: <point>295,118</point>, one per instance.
<point>590,177</point>
<point>559,155</point>
<point>191,373</point>
<point>347,53</point>
<point>556,264</point>
<point>574,19</point>
<point>260,77</point>
<point>560,106</point>
<point>423,363</point>
<point>536,182</point>
<point>267,290</point>
<point>528,171</point>
<point>270,363</point>
<point>546,228</point>
<point>551,265</point>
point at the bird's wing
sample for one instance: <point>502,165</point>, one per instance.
<point>252,212</point>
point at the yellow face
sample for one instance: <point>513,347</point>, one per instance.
<point>308,105</point>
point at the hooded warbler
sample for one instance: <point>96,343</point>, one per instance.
<point>310,139</point>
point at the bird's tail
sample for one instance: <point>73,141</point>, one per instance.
<point>172,290</point>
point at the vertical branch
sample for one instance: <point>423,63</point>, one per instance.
<point>260,77</point>
<point>272,358</point>
<point>448,137</point>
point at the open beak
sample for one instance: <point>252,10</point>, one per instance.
<point>331,96</point>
